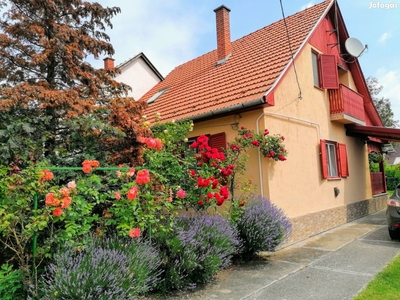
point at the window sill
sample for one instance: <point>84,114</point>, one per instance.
<point>334,178</point>
<point>319,88</point>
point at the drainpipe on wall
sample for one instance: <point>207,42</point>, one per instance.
<point>258,129</point>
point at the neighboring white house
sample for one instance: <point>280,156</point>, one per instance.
<point>137,72</point>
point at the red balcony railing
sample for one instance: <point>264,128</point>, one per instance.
<point>378,183</point>
<point>346,101</point>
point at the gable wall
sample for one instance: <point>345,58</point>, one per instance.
<point>296,185</point>
<point>139,76</point>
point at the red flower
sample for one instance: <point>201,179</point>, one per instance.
<point>132,193</point>
<point>266,132</point>
<point>57,212</point>
<point>86,168</point>
<point>181,194</point>
<point>272,153</point>
<point>192,173</point>
<point>282,138</point>
<point>200,202</point>
<point>143,177</point>
<point>255,143</point>
<point>66,201</point>
<point>49,199</point>
<point>135,232</point>
<point>45,175</point>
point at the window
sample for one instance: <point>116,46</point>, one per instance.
<point>314,57</point>
<point>156,95</point>
<point>325,71</point>
<point>217,140</point>
<point>333,159</point>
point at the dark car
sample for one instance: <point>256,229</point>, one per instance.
<point>393,214</point>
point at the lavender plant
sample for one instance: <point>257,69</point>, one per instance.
<point>106,269</point>
<point>202,245</point>
<point>263,226</point>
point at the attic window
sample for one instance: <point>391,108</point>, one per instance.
<point>156,95</point>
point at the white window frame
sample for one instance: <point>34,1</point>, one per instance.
<point>331,155</point>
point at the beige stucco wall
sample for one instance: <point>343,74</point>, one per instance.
<point>296,185</point>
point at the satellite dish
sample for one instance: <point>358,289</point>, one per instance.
<point>354,47</point>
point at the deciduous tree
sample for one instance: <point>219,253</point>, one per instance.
<point>382,104</point>
<point>44,46</point>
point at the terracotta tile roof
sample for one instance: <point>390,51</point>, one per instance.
<point>200,86</point>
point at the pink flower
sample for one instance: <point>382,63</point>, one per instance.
<point>181,194</point>
<point>71,185</point>
<point>135,232</point>
<point>132,193</point>
<point>131,172</point>
<point>119,174</point>
<point>117,195</point>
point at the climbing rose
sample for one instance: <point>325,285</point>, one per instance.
<point>49,199</point>
<point>66,201</point>
<point>64,192</point>
<point>46,175</point>
<point>71,185</point>
<point>143,177</point>
<point>57,212</point>
<point>117,195</point>
<point>134,232</point>
<point>181,193</point>
<point>132,193</point>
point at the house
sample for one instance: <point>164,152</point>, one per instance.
<point>312,91</point>
<point>138,72</point>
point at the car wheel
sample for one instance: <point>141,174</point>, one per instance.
<point>394,234</point>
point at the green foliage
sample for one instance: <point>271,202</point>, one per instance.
<point>385,285</point>
<point>392,176</point>
<point>10,283</point>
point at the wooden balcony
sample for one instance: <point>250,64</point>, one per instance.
<point>346,106</point>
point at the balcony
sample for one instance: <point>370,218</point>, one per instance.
<point>346,106</point>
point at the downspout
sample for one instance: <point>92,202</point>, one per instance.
<point>258,129</point>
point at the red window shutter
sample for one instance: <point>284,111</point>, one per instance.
<point>329,71</point>
<point>324,159</point>
<point>217,140</point>
<point>342,158</point>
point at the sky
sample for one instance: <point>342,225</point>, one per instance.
<point>173,32</point>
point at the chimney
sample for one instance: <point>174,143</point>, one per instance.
<point>224,47</point>
<point>108,63</point>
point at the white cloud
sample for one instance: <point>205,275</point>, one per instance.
<point>384,37</point>
<point>309,4</point>
<point>390,80</point>
<point>165,31</point>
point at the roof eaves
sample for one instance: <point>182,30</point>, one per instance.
<point>228,109</point>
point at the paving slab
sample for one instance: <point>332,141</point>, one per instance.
<point>313,283</point>
<point>368,257</point>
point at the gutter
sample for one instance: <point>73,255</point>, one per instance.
<point>229,109</point>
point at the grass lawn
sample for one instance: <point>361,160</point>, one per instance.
<point>385,285</point>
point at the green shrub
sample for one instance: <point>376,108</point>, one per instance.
<point>110,268</point>
<point>201,246</point>
<point>10,283</point>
